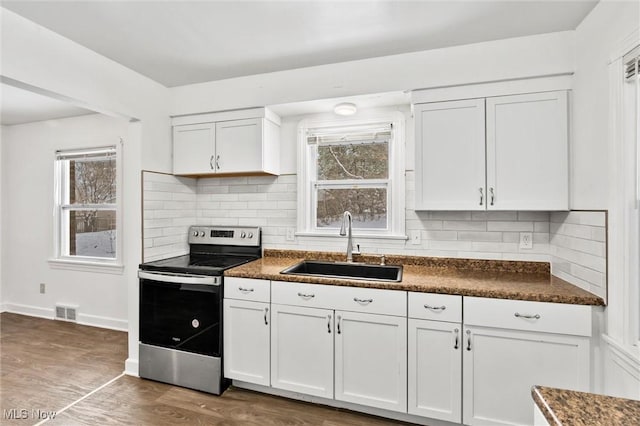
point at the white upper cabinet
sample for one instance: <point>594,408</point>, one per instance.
<point>450,148</point>
<point>193,145</point>
<point>495,153</point>
<point>527,152</point>
<point>217,144</point>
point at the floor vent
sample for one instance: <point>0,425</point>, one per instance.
<point>66,312</point>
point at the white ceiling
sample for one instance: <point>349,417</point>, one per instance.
<point>182,42</point>
<point>20,106</point>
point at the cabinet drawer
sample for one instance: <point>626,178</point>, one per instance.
<point>437,307</point>
<point>354,299</point>
<point>371,300</point>
<point>302,294</point>
<point>528,316</point>
<point>247,289</point>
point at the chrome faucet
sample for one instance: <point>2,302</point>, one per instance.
<point>345,229</point>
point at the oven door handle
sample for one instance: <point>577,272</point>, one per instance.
<point>166,277</point>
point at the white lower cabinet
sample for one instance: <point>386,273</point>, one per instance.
<point>246,341</point>
<point>302,350</point>
<point>501,365</point>
<point>435,370</point>
<point>371,360</point>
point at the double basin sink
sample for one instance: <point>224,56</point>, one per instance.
<point>346,270</point>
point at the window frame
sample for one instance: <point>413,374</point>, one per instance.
<point>395,182</point>
<point>60,258</point>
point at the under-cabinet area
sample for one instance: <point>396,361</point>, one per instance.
<point>411,355</point>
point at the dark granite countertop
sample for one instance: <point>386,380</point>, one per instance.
<point>571,408</point>
<point>466,277</point>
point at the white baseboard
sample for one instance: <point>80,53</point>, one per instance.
<point>32,311</point>
<point>103,322</point>
<point>131,367</point>
<point>84,319</point>
<point>3,307</point>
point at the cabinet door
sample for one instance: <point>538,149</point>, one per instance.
<point>501,366</point>
<point>435,370</point>
<point>371,360</point>
<point>302,350</point>
<point>527,152</point>
<point>239,146</point>
<point>246,341</point>
<point>450,155</point>
<point>193,147</point>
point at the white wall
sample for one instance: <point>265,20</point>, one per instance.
<point>521,57</point>
<point>38,59</point>
<point>28,187</point>
<point>2,308</point>
<point>598,38</point>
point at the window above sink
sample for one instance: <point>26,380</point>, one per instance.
<point>355,165</point>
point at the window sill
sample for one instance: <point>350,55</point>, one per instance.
<point>355,235</point>
<point>87,266</point>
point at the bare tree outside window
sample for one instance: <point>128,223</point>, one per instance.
<point>352,174</point>
<point>88,205</point>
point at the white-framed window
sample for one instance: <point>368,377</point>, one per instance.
<point>631,145</point>
<point>355,166</point>
<point>87,217</point>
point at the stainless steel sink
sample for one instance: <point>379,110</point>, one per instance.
<point>350,271</point>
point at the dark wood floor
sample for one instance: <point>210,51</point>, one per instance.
<point>46,365</point>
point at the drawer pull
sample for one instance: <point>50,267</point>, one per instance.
<point>362,301</point>
<point>517,315</point>
<point>457,343</point>
<point>306,296</point>
<point>435,308</point>
<point>245,290</point>
<point>468,340</point>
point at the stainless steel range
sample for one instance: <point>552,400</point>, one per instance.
<point>181,307</point>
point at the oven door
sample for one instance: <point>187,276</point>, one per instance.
<point>181,311</point>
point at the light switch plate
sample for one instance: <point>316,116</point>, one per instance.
<point>291,234</point>
<point>416,238</point>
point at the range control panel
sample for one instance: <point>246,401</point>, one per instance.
<point>225,235</point>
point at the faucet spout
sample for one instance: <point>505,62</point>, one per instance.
<point>345,229</point>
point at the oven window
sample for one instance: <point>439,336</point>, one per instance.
<point>181,316</point>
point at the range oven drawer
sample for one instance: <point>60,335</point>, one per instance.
<point>180,316</point>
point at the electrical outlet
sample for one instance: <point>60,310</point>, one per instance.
<point>416,238</point>
<point>291,234</point>
<point>42,288</point>
<point>526,240</point>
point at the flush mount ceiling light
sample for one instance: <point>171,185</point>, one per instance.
<point>345,108</point>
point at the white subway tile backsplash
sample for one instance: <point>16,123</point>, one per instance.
<point>578,249</point>
<point>510,226</point>
<point>575,242</point>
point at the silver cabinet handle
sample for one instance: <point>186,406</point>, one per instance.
<point>217,162</point>
<point>338,325</point>
<point>435,308</point>
<point>328,323</point>
<point>517,315</point>
<point>481,196</point>
<point>468,340</point>
<point>306,296</point>
<point>266,311</point>
<point>245,290</point>
<point>362,301</point>
<point>211,162</point>
<point>456,345</point>
<point>493,196</point>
